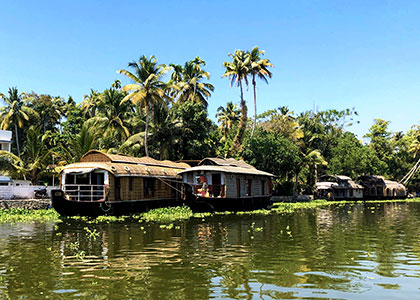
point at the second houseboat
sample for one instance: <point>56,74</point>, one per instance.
<point>226,184</point>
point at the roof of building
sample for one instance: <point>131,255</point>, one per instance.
<point>394,184</point>
<point>98,156</point>
<point>121,165</point>
<point>225,162</point>
<point>120,169</point>
<point>228,169</point>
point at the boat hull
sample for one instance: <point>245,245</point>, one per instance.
<point>207,204</point>
<point>93,209</point>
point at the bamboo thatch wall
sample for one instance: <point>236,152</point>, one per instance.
<point>161,190</point>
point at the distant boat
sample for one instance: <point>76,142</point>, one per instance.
<point>226,184</point>
<point>339,187</point>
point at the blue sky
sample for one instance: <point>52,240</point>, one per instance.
<point>326,54</point>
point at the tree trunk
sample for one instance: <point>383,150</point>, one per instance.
<point>146,131</point>
<point>296,182</point>
<point>254,84</point>
<point>237,142</point>
<point>17,140</point>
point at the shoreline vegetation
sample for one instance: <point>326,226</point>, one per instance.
<point>162,112</point>
<point>168,217</point>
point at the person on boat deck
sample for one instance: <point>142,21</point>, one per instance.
<point>205,187</point>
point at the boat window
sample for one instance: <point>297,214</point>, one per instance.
<point>249,187</point>
<point>262,187</point>
<point>130,183</point>
<point>83,178</point>
<point>238,187</point>
<point>148,187</point>
<point>70,179</point>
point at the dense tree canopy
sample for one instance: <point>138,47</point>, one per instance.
<point>166,117</point>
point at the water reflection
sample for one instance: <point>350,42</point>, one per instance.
<point>348,251</point>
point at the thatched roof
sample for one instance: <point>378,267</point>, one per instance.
<point>225,162</point>
<point>394,185</point>
<point>121,165</point>
<point>227,169</point>
<point>98,156</point>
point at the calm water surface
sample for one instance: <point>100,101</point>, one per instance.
<point>352,251</point>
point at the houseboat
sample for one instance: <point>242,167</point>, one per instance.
<point>226,184</point>
<point>338,187</point>
<point>377,187</point>
<point>104,183</point>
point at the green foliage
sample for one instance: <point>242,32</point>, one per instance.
<point>147,89</point>
<point>34,160</point>
<point>49,131</point>
<point>167,214</point>
<point>272,153</point>
<point>187,85</point>
<point>351,158</point>
<point>194,141</point>
<point>380,140</point>
<point>20,215</point>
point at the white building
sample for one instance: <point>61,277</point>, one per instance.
<point>6,140</point>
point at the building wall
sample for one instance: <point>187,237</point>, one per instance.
<point>161,190</point>
<point>256,185</point>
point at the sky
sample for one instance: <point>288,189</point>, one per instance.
<point>326,54</point>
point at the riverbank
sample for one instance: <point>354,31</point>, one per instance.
<point>16,212</point>
<point>25,203</point>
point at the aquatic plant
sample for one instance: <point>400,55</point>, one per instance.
<point>14,215</point>
<point>92,233</point>
<point>167,214</point>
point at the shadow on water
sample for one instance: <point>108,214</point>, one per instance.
<point>344,251</point>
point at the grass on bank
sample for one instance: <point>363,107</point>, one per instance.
<point>168,215</point>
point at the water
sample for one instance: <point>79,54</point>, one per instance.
<point>352,251</point>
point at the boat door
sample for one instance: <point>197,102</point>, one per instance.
<point>117,189</point>
<point>216,181</point>
<point>238,187</point>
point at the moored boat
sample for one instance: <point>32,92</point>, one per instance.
<point>226,184</point>
<point>104,183</point>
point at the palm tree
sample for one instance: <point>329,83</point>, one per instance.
<point>147,89</point>
<point>237,71</point>
<point>310,158</point>
<point>14,113</point>
<point>258,68</point>
<point>166,130</point>
<point>112,114</point>
<point>50,110</point>
<point>281,121</point>
<point>34,159</point>
<point>188,83</point>
<point>84,141</point>
<point>89,103</point>
<point>227,117</point>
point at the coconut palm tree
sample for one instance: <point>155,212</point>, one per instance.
<point>258,68</point>
<point>85,140</point>
<point>35,157</point>
<point>188,83</point>
<point>112,114</point>
<point>148,87</point>
<point>15,113</point>
<point>238,71</point>
<point>227,117</point>
<point>89,103</point>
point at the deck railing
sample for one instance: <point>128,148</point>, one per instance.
<point>214,190</point>
<point>85,192</point>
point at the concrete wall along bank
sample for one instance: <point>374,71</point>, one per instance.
<point>22,192</point>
